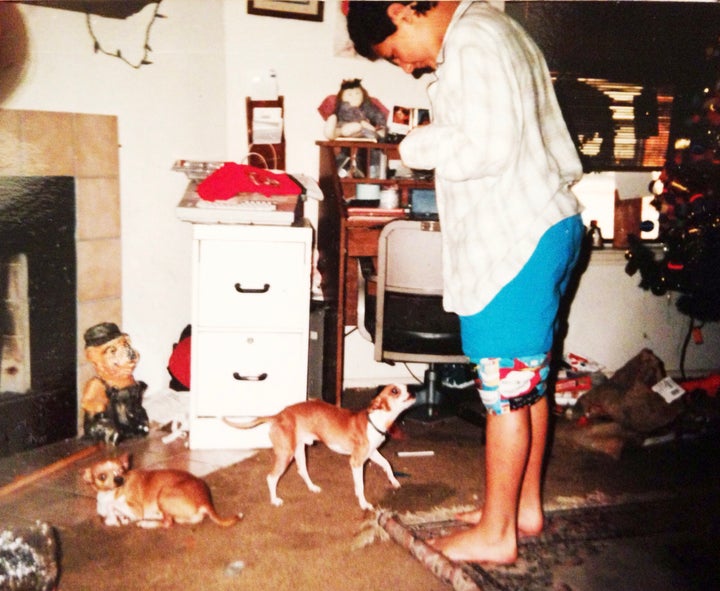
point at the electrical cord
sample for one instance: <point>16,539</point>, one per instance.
<point>692,326</point>
<point>259,155</point>
<point>274,155</point>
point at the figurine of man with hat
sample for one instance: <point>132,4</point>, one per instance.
<point>112,399</point>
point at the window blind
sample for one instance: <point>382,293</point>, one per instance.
<point>616,125</point>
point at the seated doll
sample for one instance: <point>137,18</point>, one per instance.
<point>352,113</point>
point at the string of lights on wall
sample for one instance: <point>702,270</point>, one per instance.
<point>144,60</point>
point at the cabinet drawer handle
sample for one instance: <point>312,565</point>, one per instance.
<point>240,289</point>
<point>258,378</point>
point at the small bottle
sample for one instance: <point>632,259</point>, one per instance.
<point>595,235</point>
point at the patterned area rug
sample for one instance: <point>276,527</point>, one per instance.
<point>574,537</point>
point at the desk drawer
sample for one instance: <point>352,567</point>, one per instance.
<point>252,284</point>
<point>248,374</point>
<point>363,242</point>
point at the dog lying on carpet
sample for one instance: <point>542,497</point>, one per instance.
<point>150,498</point>
<point>112,399</point>
<point>357,434</point>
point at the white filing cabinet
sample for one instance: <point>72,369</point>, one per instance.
<point>250,323</point>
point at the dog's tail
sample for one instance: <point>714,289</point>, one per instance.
<point>249,424</point>
<point>223,522</point>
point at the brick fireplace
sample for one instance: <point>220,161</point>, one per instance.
<point>85,147</point>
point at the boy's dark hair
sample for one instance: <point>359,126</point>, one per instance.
<point>369,24</point>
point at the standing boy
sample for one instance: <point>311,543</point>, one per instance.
<point>504,165</point>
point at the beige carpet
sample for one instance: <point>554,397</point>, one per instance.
<point>313,542</point>
<point>324,541</point>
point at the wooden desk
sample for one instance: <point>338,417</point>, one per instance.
<point>346,234</point>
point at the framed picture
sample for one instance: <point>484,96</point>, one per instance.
<point>307,10</point>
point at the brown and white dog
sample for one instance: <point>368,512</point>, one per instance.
<point>150,498</point>
<point>357,434</point>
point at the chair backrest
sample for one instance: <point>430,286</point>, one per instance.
<point>411,324</point>
<point>410,257</point>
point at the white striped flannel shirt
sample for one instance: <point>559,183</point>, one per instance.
<point>504,161</point>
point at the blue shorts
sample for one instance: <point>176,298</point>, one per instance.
<point>518,325</point>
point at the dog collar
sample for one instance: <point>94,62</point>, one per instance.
<point>374,426</point>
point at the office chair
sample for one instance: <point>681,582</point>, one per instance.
<point>409,323</point>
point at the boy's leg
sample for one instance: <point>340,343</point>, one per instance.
<point>512,391</point>
<point>530,518</point>
<point>514,450</point>
<point>530,513</point>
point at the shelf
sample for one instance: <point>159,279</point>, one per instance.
<point>376,213</point>
<point>403,182</point>
<point>359,143</point>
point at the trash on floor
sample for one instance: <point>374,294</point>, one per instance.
<point>169,410</point>
<point>235,568</point>
<point>640,404</point>
<point>576,376</point>
<point>569,387</point>
<point>628,398</point>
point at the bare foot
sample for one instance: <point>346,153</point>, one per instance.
<point>530,522</point>
<point>471,517</point>
<point>477,545</point>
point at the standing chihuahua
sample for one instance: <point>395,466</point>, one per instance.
<point>357,434</point>
<point>150,498</point>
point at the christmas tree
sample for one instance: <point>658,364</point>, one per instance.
<point>687,197</point>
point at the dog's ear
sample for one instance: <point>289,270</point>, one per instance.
<point>125,461</point>
<point>87,475</point>
<point>379,402</point>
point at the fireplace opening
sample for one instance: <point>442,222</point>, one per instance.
<point>15,330</point>
<point>38,324</point>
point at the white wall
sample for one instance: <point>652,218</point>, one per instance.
<point>190,104</point>
<point>301,53</point>
<point>174,108</point>
<point>612,319</point>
